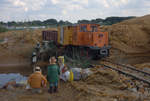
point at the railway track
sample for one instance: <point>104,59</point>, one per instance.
<point>128,70</point>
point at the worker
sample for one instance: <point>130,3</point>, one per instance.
<point>53,75</point>
<point>63,68</point>
<point>38,46</point>
<point>37,80</point>
<point>34,59</point>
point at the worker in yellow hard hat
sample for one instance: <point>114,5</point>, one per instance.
<point>62,67</point>
<point>65,74</point>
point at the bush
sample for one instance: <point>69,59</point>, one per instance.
<point>3,29</point>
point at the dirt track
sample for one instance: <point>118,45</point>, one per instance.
<point>66,93</point>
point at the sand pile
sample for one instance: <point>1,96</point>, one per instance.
<point>144,65</point>
<point>16,47</point>
<point>26,36</point>
<point>19,42</point>
<point>131,36</point>
<point>105,85</point>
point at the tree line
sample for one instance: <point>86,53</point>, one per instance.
<point>54,22</point>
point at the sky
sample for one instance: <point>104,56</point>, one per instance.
<point>71,10</point>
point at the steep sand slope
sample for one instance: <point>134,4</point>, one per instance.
<point>131,37</point>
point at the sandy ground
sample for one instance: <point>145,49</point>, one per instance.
<point>103,85</point>
<point>66,93</point>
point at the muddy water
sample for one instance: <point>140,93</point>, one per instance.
<point>23,68</point>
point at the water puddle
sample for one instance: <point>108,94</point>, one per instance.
<point>12,79</point>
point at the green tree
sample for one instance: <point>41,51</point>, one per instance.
<point>50,22</point>
<point>83,21</point>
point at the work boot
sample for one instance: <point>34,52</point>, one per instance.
<point>50,90</point>
<point>55,89</point>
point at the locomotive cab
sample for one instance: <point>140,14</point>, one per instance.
<point>96,39</point>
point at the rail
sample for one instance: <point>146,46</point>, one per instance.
<point>129,67</point>
<point>129,71</point>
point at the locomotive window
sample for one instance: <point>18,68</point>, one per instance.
<point>83,28</point>
<point>69,27</point>
<point>100,35</point>
<point>94,28</point>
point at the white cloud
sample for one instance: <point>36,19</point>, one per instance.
<point>119,2</point>
<point>84,2</point>
<point>74,7</point>
<point>64,12</point>
<point>19,3</point>
<point>124,1</point>
<point>68,6</point>
<point>147,3</point>
<point>112,3</point>
<point>26,9</point>
<point>103,2</point>
<point>71,10</point>
<point>55,1</point>
<point>29,4</point>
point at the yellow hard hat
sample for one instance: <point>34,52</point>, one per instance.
<point>62,59</point>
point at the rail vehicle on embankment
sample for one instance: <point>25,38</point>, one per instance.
<point>81,40</point>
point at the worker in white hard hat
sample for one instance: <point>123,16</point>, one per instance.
<point>37,80</point>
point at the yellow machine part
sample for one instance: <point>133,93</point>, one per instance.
<point>71,76</point>
<point>58,35</point>
<point>68,35</point>
<point>65,35</point>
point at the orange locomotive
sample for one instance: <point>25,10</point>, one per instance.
<point>81,40</point>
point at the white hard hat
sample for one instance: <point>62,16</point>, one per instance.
<point>34,53</point>
<point>37,69</point>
